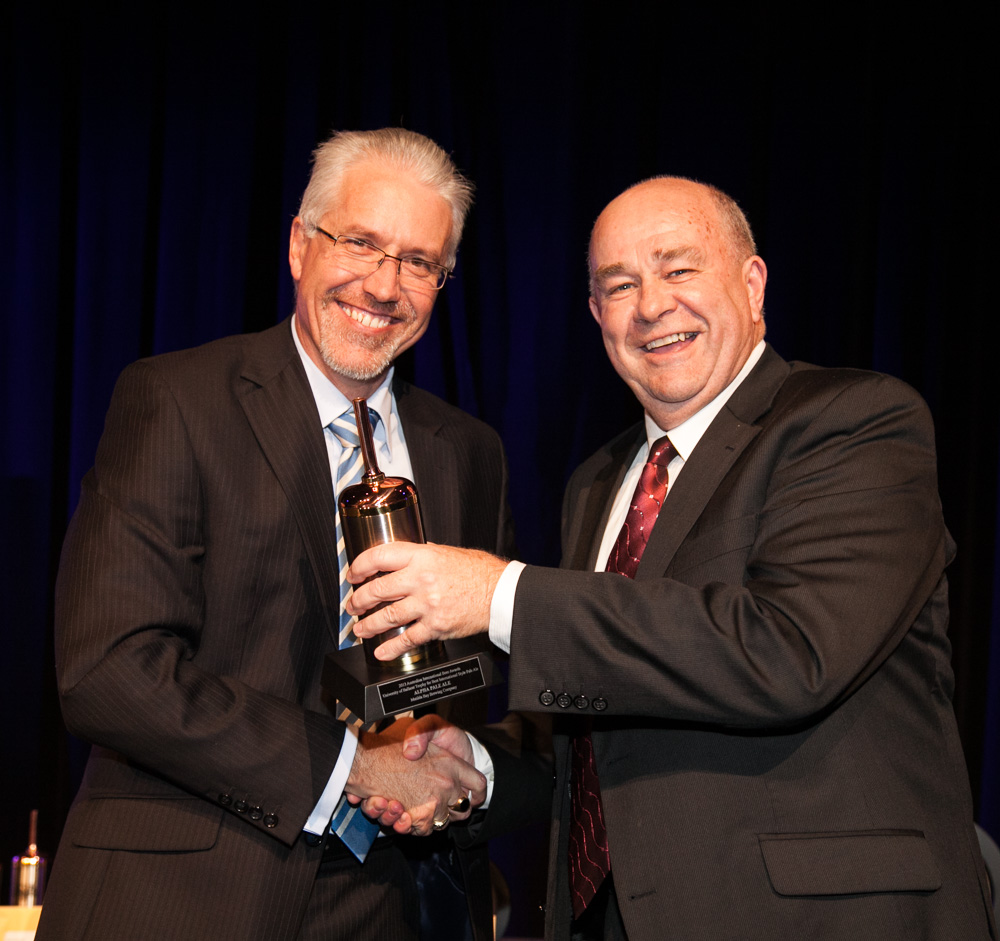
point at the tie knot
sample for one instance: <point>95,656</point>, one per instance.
<point>662,452</point>
<point>345,428</point>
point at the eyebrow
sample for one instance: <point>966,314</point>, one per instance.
<point>660,257</point>
<point>688,252</point>
<point>605,272</point>
<point>359,232</point>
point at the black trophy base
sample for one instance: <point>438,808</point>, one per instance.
<point>373,692</point>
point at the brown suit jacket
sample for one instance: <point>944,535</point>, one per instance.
<point>771,695</point>
<point>197,597</point>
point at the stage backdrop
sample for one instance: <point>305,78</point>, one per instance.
<point>151,161</point>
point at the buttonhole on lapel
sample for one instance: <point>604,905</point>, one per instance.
<point>641,895</point>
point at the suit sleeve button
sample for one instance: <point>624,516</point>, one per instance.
<point>600,703</point>
<point>564,700</point>
<point>240,807</point>
<point>256,813</point>
<point>546,697</point>
<point>581,702</point>
<point>225,800</point>
<point>271,821</point>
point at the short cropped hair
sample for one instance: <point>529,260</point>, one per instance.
<point>739,235</point>
<point>397,147</point>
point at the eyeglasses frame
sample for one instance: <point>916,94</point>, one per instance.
<point>447,272</point>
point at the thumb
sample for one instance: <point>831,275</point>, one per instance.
<point>419,736</point>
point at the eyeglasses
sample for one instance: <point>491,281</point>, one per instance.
<point>364,258</point>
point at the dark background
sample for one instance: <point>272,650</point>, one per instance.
<point>151,162</point>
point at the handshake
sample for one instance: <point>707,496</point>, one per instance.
<point>426,765</point>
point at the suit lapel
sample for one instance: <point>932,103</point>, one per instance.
<point>593,506</point>
<point>279,406</point>
<point>725,440</point>
<point>434,463</point>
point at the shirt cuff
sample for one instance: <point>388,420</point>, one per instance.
<point>502,605</point>
<point>319,819</point>
<point>484,765</point>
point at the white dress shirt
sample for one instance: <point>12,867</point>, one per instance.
<point>684,438</point>
<point>393,460</point>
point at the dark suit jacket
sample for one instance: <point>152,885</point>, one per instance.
<point>771,695</point>
<point>197,597</point>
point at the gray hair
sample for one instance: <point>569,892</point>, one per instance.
<point>739,235</point>
<point>405,150</point>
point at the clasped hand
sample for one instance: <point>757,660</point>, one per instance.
<point>440,592</point>
<point>427,773</point>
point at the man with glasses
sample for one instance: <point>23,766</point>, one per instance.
<point>200,590</point>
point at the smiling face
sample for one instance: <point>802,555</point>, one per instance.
<point>679,309</point>
<point>354,326</point>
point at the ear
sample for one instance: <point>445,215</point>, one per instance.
<point>595,310</point>
<point>297,243</point>
<point>755,278</point>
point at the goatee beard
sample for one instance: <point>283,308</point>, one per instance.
<point>339,349</point>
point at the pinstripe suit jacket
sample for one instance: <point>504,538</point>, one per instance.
<point>197,597</point>
<point>771,694</point>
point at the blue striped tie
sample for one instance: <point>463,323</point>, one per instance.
<point>357,831</point>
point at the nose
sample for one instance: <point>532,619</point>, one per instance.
<point>656,298</point>
<point>383,282</point>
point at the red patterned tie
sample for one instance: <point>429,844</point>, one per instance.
<point>589,859</point>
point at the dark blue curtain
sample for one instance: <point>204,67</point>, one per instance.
<point>151,160</point>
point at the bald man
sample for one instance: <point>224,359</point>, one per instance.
<point>752,689</point>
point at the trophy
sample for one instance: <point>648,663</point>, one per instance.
<point>387,509</point>
<point>27,872</point>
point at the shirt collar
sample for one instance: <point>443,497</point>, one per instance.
<point>331,403</point>
<point>688,433</point>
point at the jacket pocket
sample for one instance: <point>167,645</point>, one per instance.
<point>145,824</point>
<point>849,862</point>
